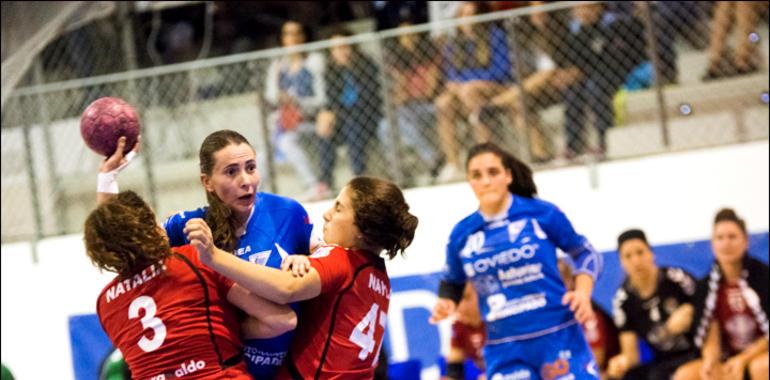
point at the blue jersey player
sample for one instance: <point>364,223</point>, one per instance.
<point>258,227</point>
<point>507,250</point>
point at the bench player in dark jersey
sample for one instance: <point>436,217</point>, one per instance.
<point>169,314</point>
<point>341,327</point>
<point>654,305</point>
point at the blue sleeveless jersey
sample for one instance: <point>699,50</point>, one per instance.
<point>511,261</point>
<point>277,227</point>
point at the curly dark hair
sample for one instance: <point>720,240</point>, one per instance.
<point>123,236</point>
<point>220,217</point>
<point>382,214</point>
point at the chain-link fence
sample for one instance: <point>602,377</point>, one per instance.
<point>556,85</point>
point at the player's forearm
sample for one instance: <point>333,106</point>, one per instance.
<point>584,284</point>
<point>711,351</point>
<point>103,197</point>
<point>268,319</point>
<point>680,320</point>
<point>263,281</point>
<point>758,347</point>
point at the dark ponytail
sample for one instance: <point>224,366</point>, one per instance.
<point>522,183</point>
<point>382,214</point>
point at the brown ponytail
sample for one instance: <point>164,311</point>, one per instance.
<point>220,217</point>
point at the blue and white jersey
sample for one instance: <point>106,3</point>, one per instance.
<point>277,227</point>
<point>511,260</point>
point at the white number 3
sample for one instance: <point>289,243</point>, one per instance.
<point>365,340</point>
<point>149,321</point>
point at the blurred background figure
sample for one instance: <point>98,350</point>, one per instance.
<point>477,66</point>
<point>295,89</point>
<point>745,57</point>
<point>413,68</point>
<point>468,338</point>
<point>354,107</point>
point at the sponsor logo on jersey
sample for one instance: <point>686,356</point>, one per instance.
<point>500,308</point>
<point>509,256</point>
<point>520,275</point>
<point>486,284</point>
<point>558,369</point>
<point>259,257</point>
<point>472,244</point>
<point>184,369</point>
<point>260,357</point>
<point>515,228</point>
<point>522,374</point>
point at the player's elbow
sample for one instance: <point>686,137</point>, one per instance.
<point>284,322</point>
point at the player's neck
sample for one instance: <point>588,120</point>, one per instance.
<point>492,210</point>
<point>647,284</point>
<point>731,271</point>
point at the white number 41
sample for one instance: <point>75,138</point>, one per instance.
<point>365,340</point>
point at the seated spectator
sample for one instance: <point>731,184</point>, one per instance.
<point>353,109</point>
<point>600,47</point>
<point>732,302</point>
<point>414,71</point>
<point>477,66</point>
<point>546,86</point>
<point>744,15</point>
<point>295,88</point>
<point>654,305</point>
<point>468,336</point>
<point>599,331</point>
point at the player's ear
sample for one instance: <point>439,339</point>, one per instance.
<point>206,182</point>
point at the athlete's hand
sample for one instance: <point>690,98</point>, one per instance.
<point>580,304</point>
<point>199,235</point>
<point>617,366</point>
<point>443,309</point>
<point>118,161</point>
<point>734,368</point>
<point>710,369</point>
<point>298,265</point>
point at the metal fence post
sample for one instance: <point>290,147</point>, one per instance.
<point>60,207</point>
<point>32,178</point>
<point>652,50</point>
<point>394,155</point>
<point>130,52</point>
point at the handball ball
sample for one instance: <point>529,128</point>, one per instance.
<point>107,119</point>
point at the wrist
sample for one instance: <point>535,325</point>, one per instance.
<point>107,182</point>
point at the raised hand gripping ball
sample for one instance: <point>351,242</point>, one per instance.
<point>107,119</point>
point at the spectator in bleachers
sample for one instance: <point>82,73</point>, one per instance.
<point>731,327</point>
<point>477,66</point>
<point>653,305</point>
<point>599,330</point>
<point>744,15</point>
<point>546,86</point>
<point>354,107</point>
<point>468,336</point>
<point>295,88</point>
<point>413,68</point>
<point>602,48</point>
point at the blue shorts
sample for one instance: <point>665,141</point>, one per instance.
<point>264,356</point>
<point>561,355</point>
